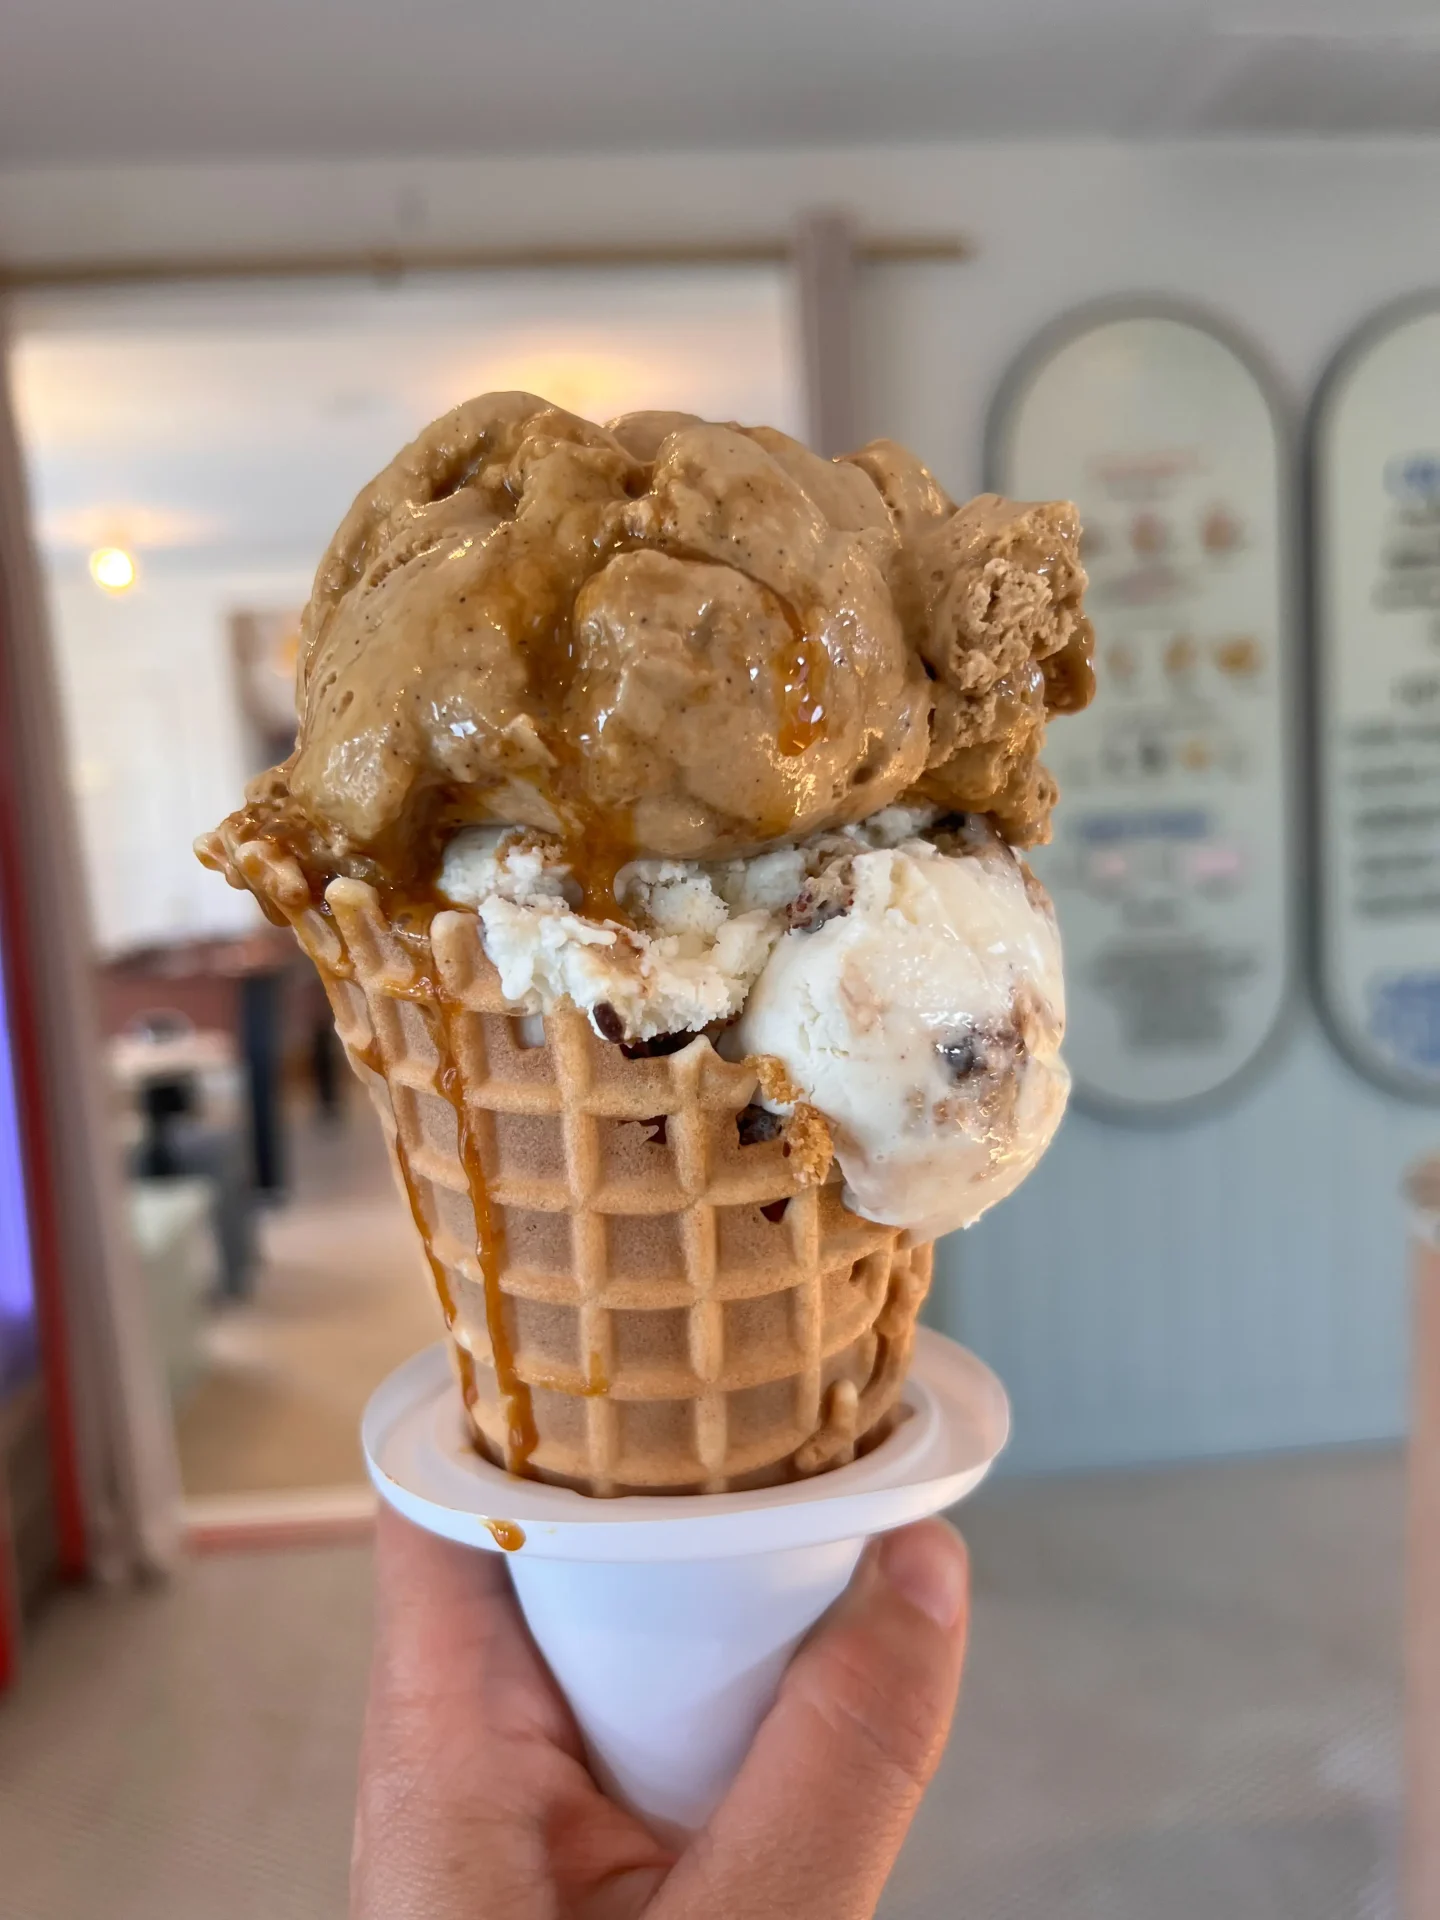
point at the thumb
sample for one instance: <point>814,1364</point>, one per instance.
<point>817,1815</point>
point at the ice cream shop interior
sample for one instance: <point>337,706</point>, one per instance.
<point>759,667</point>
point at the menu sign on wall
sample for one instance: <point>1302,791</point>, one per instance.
<point>1170,867</point>
<point>1377,571</point>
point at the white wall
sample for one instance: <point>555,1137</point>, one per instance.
<point>155,742</point>
<point>1236,1283</point>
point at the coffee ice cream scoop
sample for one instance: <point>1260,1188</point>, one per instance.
<point>667,637</point>
<point>923,1019</point>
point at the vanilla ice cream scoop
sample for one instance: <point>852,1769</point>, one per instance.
<point>924,1021</point>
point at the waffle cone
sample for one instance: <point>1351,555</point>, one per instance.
<point>637,1301</point>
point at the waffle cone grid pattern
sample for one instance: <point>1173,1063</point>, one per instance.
<point>638,1301</point>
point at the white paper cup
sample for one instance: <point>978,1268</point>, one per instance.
<point>668,1620</point>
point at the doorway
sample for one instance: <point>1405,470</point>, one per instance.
<point>190,449</point>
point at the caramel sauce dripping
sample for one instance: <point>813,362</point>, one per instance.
<point>532,602</point>
<point>411,913</point>
<point>801,667</point>
<point>465,1365</point>
<point>464,1359</point>
<point>521,1437</point>
<point>437,1269</point>
<point>1070,674</point>
<point>537,615</point>
<point>507,1534</point>
<point>600,841</point>
<point>371,1058</point>
<point>597,847</point>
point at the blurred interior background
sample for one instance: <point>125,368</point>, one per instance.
<point>245,254</point>
<point>214,436</point>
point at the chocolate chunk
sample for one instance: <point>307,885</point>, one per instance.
<point>657,1048</point>
<point>962,1056</point>
<point>608,1022</point>
<point>657,1136</point>
<point>775,1210</point>
<point>756,1124</point>
<point>806,912</point>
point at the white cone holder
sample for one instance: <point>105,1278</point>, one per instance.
<point>668,1620</point>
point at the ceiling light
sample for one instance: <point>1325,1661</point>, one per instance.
<point>112,568</point>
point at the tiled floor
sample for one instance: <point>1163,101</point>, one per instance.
<point>1182,1701</point>
<point>342,1296</point>
<point>1182,1704</point>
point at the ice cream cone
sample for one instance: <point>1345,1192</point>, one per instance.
<point>647,1288</point>
<point>694,733</point>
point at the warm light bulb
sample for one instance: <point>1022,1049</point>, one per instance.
<point>112,568</point>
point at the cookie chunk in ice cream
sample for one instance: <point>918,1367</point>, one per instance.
<point>668,638</point>
<point>922,1015</point>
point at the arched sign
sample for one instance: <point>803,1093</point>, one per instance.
<point>1375,476</point>
<point>1171,867</point>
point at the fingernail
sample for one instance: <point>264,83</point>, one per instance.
<point>927,1565</point>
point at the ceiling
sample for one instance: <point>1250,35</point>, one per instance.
<point>87,81</point>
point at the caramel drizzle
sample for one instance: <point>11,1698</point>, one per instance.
<point>426,995</point>
<point>508,1535</point>
<point>598,841</point>
<point>521,1435</point>
<point>597,846</point>
<point>801,668</point>
<point>369,1056</point>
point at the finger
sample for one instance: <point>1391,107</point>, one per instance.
<point>455,1687</point>
<point>816,1817</point>
<point>449,1638</point>
<point>473,1793</point>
